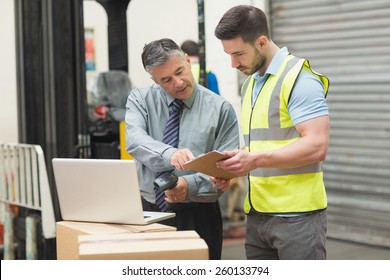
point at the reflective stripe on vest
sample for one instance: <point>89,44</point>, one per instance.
<point>268,126</point>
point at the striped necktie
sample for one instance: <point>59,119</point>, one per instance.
<point>171,137</point>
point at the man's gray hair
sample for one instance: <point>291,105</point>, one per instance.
<point>158,52</point>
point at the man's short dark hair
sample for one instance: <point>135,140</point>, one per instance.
<point>190,47</point>
<point>243,21</point>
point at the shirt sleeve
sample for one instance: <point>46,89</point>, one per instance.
<point>152,153</point>
<point>307,99</point>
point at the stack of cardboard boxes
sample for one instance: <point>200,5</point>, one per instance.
<point>99,241</point>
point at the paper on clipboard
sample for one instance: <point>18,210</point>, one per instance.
<point>206,164</point>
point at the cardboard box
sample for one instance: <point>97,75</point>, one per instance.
<point>68,233</point>
<point>172,245</point>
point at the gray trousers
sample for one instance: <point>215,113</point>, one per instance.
<point>279,238</point>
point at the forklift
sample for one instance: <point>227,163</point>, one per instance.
<point>55,111</point>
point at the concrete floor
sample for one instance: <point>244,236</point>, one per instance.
<point>233,249</point>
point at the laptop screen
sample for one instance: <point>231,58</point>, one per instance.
<point>99,190</point>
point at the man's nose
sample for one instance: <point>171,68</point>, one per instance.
<point>178,82</point>
<point>234,62</point>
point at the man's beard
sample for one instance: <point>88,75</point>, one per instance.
<point>258,63</point>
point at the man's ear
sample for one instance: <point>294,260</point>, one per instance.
<point>188,59</point>
<point>261,42</point>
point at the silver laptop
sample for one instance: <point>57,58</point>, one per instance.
<point>101,190</point>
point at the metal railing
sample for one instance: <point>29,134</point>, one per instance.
<point>24,183</point>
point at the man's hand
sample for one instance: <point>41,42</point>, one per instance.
<point>180,157</point>
<point>178,193</point>
<point>221,184</point>
<point>240,162</point>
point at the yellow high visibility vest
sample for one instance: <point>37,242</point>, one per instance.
<point>268,126</point>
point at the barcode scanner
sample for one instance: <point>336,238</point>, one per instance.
<point>165,182</point>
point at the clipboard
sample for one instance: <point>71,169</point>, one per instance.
<point>205,164</point>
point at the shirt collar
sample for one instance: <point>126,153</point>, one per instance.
<point>187,102</point>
